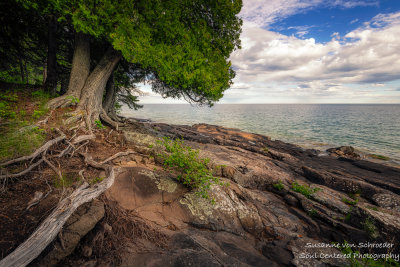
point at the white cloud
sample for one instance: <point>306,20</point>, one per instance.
<point>264,13</point>
<point>367,55</point>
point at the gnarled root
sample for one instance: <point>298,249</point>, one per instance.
<point>60,102</point>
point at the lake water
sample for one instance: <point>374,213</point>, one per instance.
<point>371,128</point>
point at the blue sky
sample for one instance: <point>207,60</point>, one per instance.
<point>315,51</point>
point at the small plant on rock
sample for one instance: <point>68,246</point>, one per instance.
<point>192,170</point>
<point>305,190</point>
<point>350,201</point>
<point>278,186</point>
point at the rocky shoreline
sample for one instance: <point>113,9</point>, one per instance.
<point>282,203</point>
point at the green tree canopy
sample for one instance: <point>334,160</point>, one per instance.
<point>186,43</point>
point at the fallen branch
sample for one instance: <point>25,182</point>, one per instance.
<point>37,152</point>
<point>15,175</point>
<point>51,226</point>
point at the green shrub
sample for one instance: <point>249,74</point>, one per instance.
<point>192,170</point>
<point>279,186</point>
<point>305,190</point>
<point>350,201</point>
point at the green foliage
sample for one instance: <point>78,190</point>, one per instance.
<point>7,106</point>
<point>305,190</point>
<point>74,100</point>
<point>130,100</point>
<point>99,124</point>
<point>279,186</point>
<point>38,113</point>
<point>42,97</point>
<point>376,156</point>
<point>355,260</point>
<point>186,44</point>
<point>370,228</point>
<point>350,201</point>
<point>373,208</point>
<point>265,149</point>
<point>192,170</point>
<point>20,139</point>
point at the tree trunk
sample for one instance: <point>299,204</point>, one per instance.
<point>92,92</point>
<point>26,73</point>
<point>80,65</point>
<point>21,69</point>
<point>110,98</point>
<point>79,72</point>
<point>50,84</point>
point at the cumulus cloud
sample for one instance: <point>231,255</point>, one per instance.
<point>367,55</point>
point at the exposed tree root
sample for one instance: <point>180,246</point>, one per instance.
<point>52,225</point>
<point>15,175</point>
<point>82,138</point>
<point>60,102</point>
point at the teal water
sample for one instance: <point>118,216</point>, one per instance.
<point>371,128</point>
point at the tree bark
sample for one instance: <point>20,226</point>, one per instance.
<point>92,92</point>
<point>21,69</point>
<point>110,98</point>
<point>50,84</point>
<point>80,65</point>
<point>79,72</point>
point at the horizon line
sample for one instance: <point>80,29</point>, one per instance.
<point>276,104</point>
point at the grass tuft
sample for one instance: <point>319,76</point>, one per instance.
<point>305,190</point>
<point>20,139</point>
